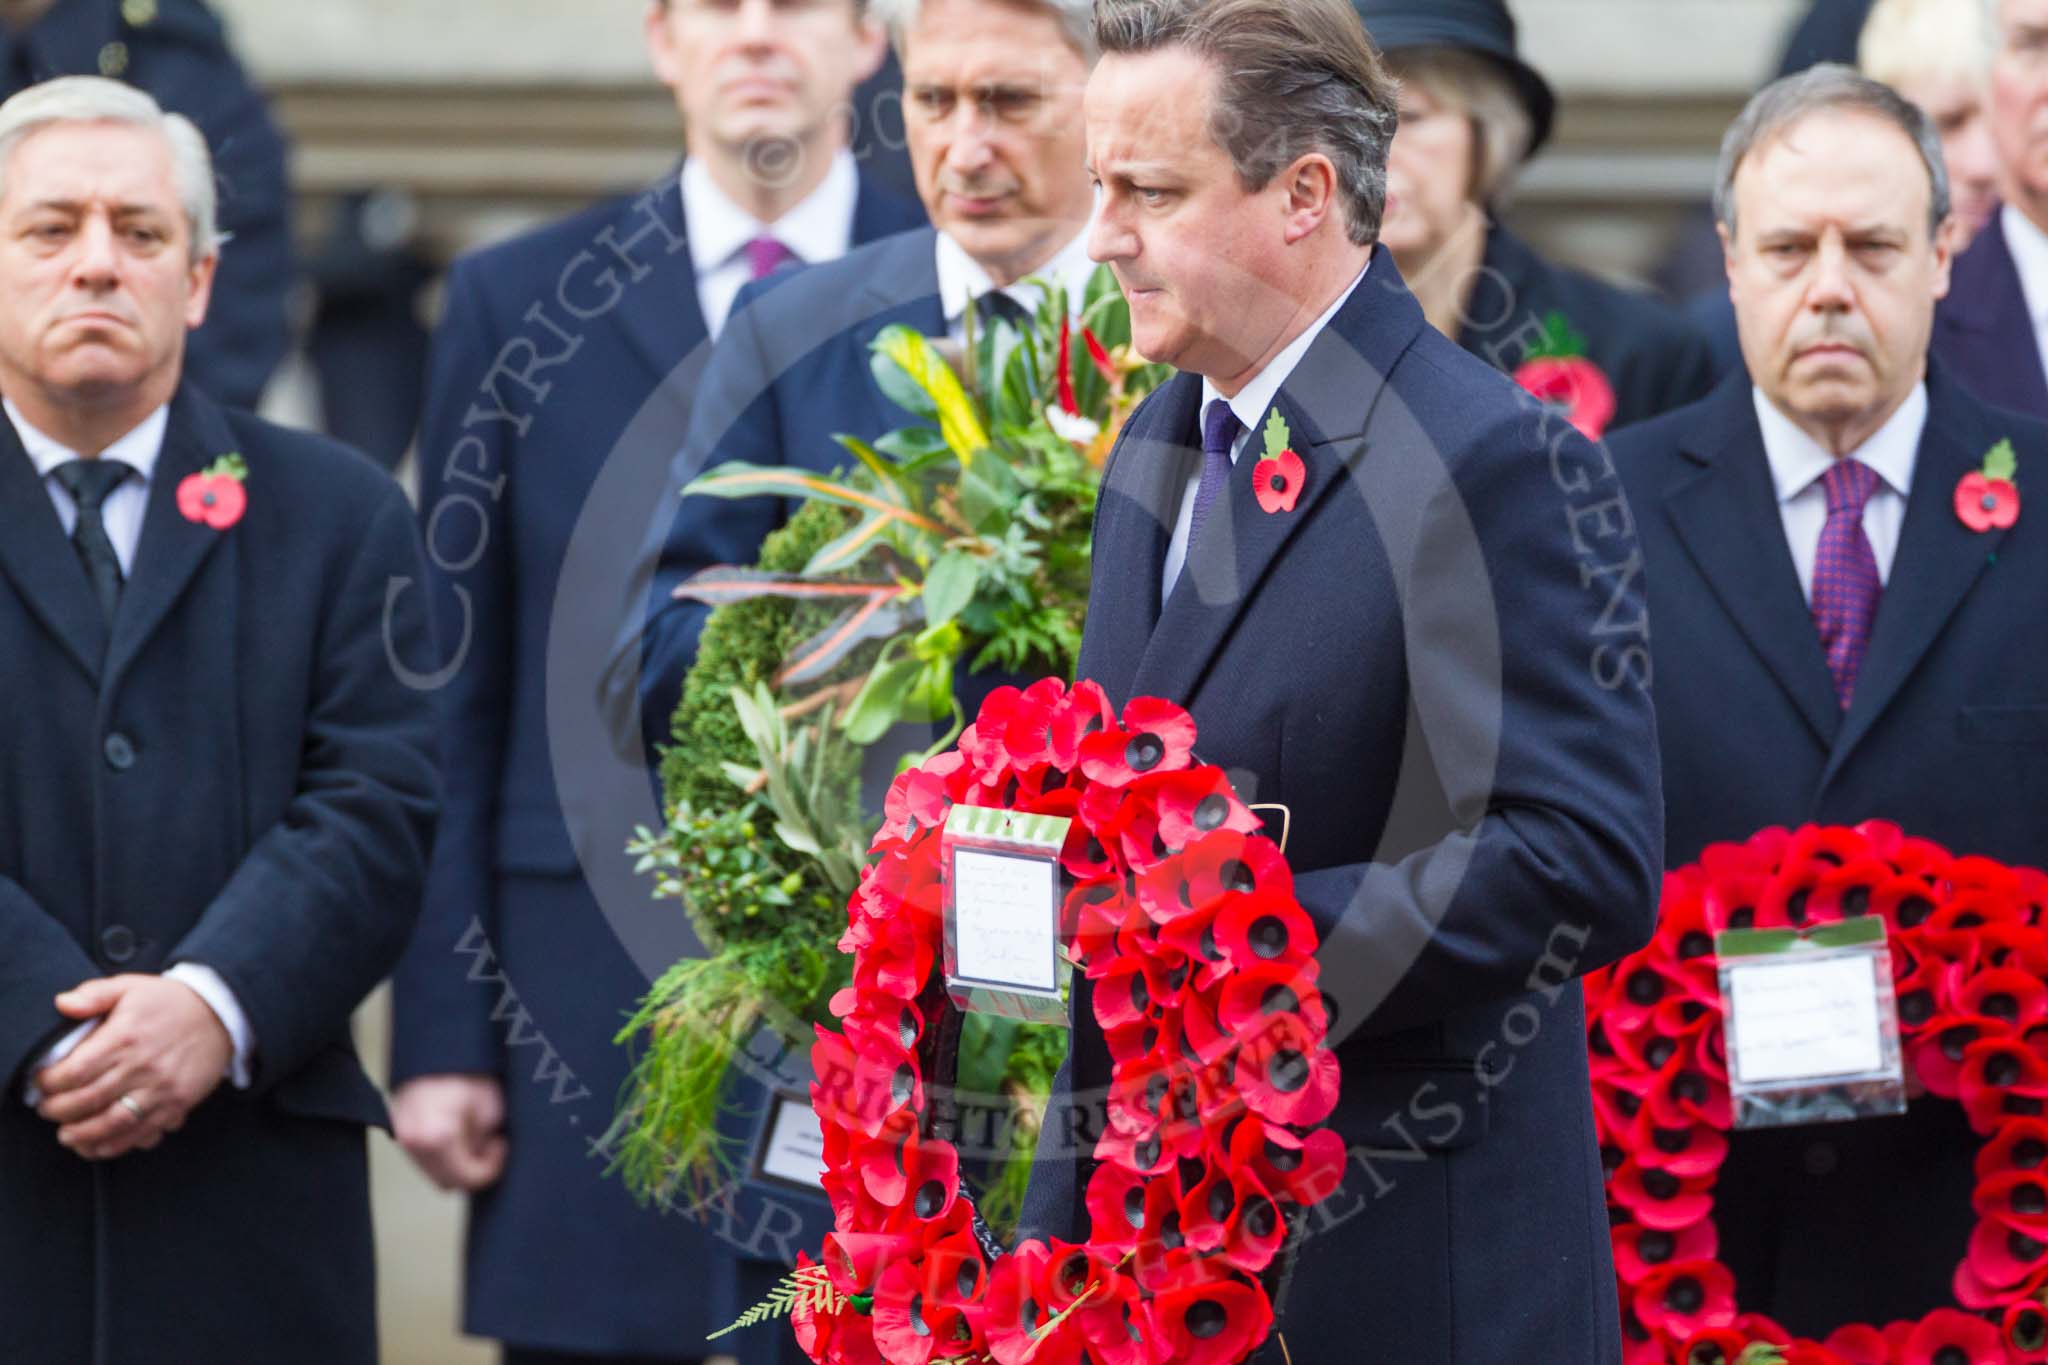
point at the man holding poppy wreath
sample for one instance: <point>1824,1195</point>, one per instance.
<point>1343,544</point>
<point>1844,595</point>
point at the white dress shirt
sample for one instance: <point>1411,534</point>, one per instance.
<point>2029,247</point>
<point>1250,407</point>
<point>122,514</point>
<point>819,228</point>
<point>963,280</point>
<point>1798,462</point>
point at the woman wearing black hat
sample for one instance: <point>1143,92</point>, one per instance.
<point>1471,112</point>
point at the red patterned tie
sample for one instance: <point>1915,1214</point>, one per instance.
<point>1845,582</point>
<point>765,256</point>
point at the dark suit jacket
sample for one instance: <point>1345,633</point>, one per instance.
<point>1946,738</point>
<point>1412,661</point>
<point>562,380</point>
<point>1982,332</point>
<point>1650,352</point>
<point>177,52</point>
<point>791,371</point>
<point>236,777</point>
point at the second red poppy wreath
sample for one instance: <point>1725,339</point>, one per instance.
<point>1969,950</point>
<point>1183,916</point>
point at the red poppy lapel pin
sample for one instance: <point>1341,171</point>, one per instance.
<point>1277,480</point>
<point>215,496</point>
<point>1989,498</point>
<point>1557,371</point>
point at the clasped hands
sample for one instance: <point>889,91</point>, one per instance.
<point>156,1045</point>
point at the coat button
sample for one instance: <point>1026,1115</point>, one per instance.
<point>117,942</point>
<point>120,752</point>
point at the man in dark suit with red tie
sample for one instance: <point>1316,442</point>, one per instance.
<point>216,790</point>
<point>561,381</point>
<point>1836,638</point>
<point>1392,635</point>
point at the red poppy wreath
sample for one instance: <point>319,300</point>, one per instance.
<point>1184,918</point>
<point>1969,952</point>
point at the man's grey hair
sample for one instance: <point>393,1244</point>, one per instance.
<point>1293,77</point>
<point>1076,19</point>
<point>95,99</point>
<point>1782,105</point>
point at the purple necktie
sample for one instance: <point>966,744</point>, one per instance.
<point>1845,583</point>
<point>1220,428</point>
<point>765,256</point>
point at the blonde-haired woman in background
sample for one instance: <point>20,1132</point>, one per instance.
<point>1937,53</point>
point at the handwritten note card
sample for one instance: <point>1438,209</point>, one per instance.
<point>1004,918</point>
<point>793,1148</point>
<point>1795,1020</point>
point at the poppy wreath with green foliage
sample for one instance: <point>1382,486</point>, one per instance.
<point>1969,953</point>
<point>1183,916</point>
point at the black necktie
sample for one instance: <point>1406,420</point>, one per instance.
<point>89,482</point>
<point>996,304</point>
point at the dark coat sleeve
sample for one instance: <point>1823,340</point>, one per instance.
<point>323,903</point>
<point>1542,745</point>
<point>38,961</point>
<point>735,417</point>
<point>442,1018</point>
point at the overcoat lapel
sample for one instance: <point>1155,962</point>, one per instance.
<point>40,561</point>
<point>1727,518</point>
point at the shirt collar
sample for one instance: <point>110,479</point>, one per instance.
<point>2029,248</point>
<point>1255,398</point>
<point>963,280</point>
<point>819,228</point>
<point>138,450</point>
<point>1797,460</point>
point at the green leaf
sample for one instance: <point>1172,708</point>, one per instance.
<point>845,551</point>
<point>988,493</point>
<point>950,585</point>
<point>888,477</point>
<point>816,658</point>
<point>920,361</point>
<point>2001,461</point>
<point>1101,286</point>
<point>721,585</point>
<point>986,1041</point>
<point>899,388</point>
<point>911,444</point>
<point>741,480</point>
<point>1277,436</point>
<point>881,700</point>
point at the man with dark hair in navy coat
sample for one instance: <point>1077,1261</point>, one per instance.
<point>561,379</point>
<point>1423,645</point>
<point>177,51</point>
<point>1833,643</point>
<point>217,790</point>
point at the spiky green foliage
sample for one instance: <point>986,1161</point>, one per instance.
<point>807,1287</point>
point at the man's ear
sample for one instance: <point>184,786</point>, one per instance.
<point>872,45</point>
<point>1312,190</point>
<point>661,45</point>
<point>201,277</point>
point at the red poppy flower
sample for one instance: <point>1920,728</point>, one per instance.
<point>1127,992</point>
<point>1195,802</point>
<point>1116,1207</point>
<point>1947,1337</point>
<point>923,1171</point>
<point>2019,1199</point>
<point>1228,862</point>
<point>1659,1199</point>
<point>1256,930</point>
<point>1285,1073</point>
<point>1683,1097</point>
<point>1154,736</point>
<point>1016,1303</point>
<point>1277,482</point>
<point>1145,1154</point>
<point>1697,1149</point>
<point>1096,911</point>
<point>911,1327</point>
<point>2020,1145</point>
<point>1999,1258</point>
<point>1685,1297</point>
<point>1986,504</point>
<point>1640,1252</point>
<point>1857,1344</point>
<point>2024,1331</point>
<point>1715,1346</point>
<point>1140,1090</point>
<point>846,1337</point>
<point>2002,1077</point>
<point>1270,988</point>
<point>1304,1171</point>
<point>1574,384</point>
<point>918,798</point>
<point>1937,1053</point>
<point>1217,1322</point>
<point>215,500</point>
